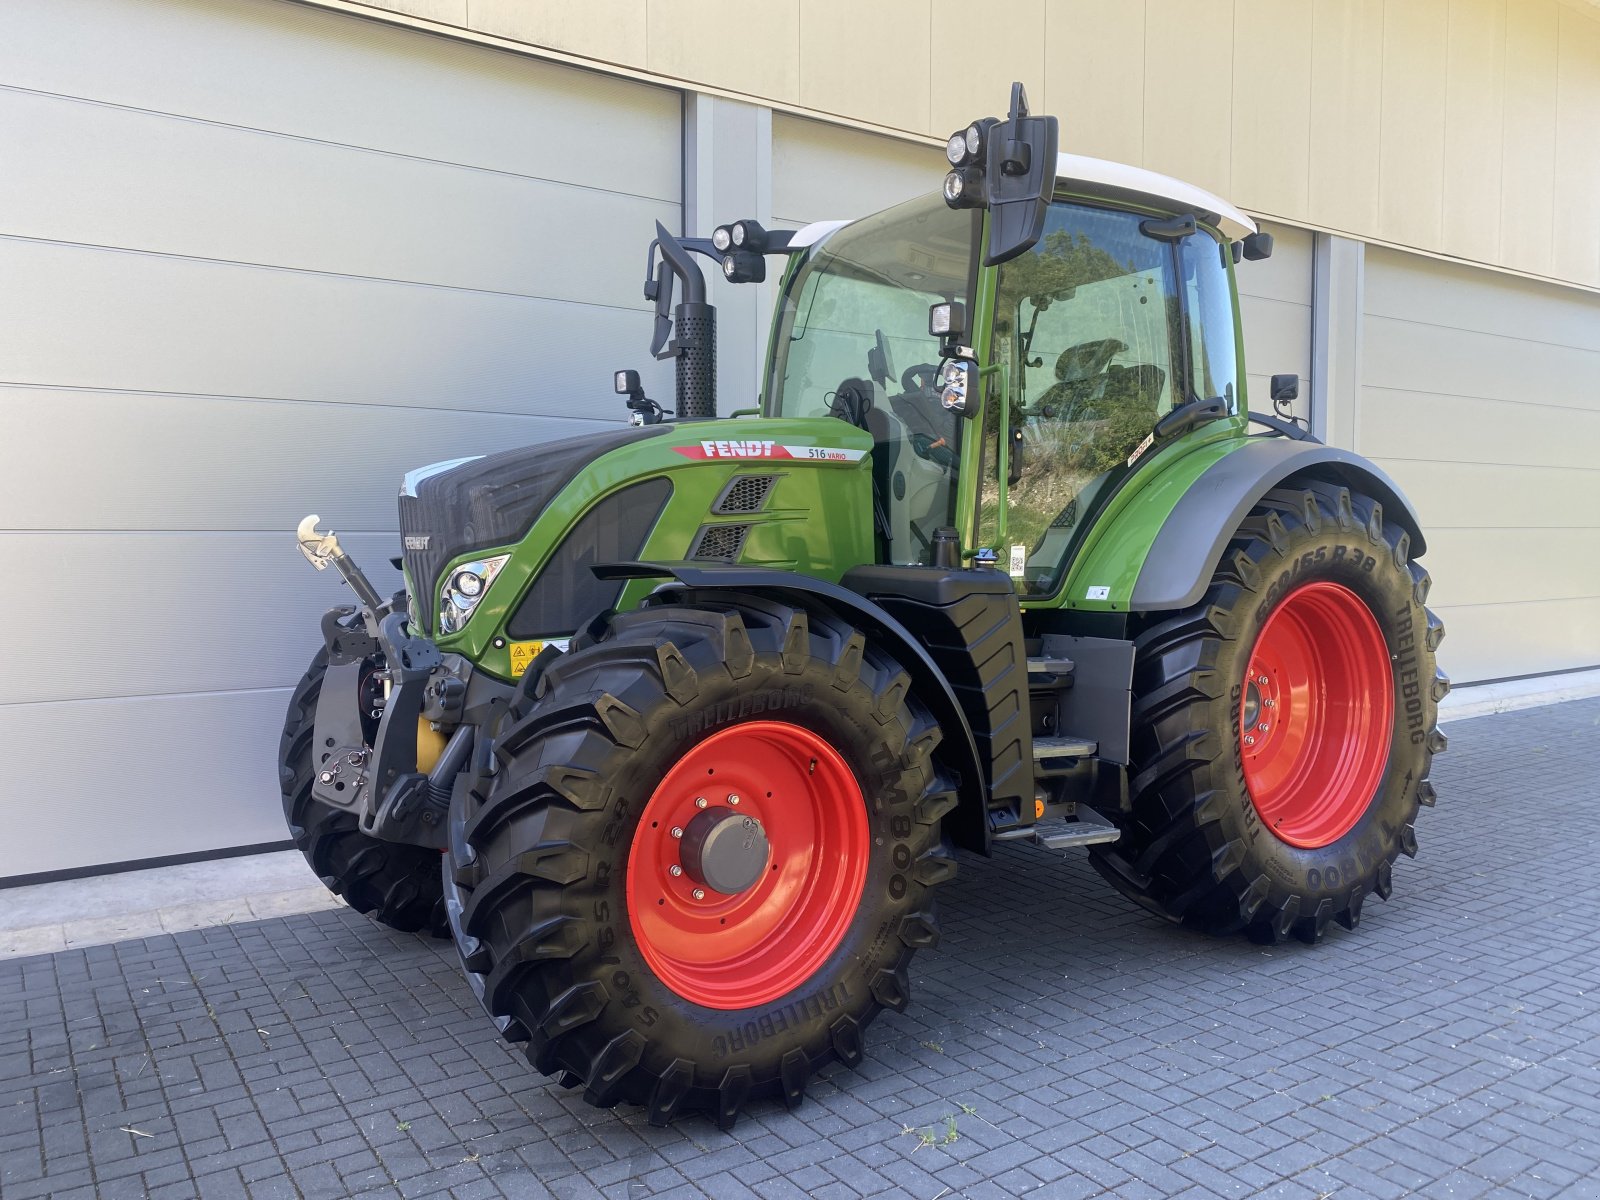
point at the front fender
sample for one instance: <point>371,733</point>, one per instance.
<point>959,749</point>
<point>1185,553</point>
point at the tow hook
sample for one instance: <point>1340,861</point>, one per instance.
<point>322,549</point>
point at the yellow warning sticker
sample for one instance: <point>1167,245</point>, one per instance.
<point>523,653</point>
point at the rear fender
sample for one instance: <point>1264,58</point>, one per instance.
<point>967,825</point>
<point>1185,553</point>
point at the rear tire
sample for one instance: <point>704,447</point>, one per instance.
<point>582,943</point>
<point>395,884</point>
<point>1232,829</point>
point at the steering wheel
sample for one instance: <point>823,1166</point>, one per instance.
<point>923,377</point>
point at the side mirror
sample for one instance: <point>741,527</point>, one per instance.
<point>958,383</point>
<point>1257,247</point>
<point>1285,388</point>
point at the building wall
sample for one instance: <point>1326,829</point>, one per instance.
<point>259,260</point>
<point>1481,397</point>
<point>1458,127</point>
<point>261,257</point>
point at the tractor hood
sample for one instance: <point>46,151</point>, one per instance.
<point>456,507</point>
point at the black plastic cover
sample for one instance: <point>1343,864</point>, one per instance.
<point>491,501</point>
<point>567,594</point>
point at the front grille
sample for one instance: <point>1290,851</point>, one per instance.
<point>744,494</point>
<point>719,541</point>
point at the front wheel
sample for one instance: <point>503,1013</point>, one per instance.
<point>1284,727</point>
<point>395,884</point>
<point>705,856</point>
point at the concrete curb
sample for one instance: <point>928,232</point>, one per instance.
<point>1484,699</point>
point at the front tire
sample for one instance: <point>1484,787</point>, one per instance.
<point>395,884</point>
<point>784,768</point>
<point>1284,727</point>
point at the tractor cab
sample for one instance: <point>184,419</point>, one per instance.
<point>1107,336</point>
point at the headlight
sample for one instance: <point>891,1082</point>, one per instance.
<point>464,589</point>
<point>955,150</point>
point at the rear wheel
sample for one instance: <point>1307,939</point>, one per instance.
<point>396,884</point>
<point>705,857</point>
<point>1284,727</point>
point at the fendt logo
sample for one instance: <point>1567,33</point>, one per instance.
<point>739,449</point>
<point>763,449</point>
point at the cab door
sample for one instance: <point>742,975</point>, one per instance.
<point>1104,327</point>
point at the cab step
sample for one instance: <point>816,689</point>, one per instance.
<point>1047,672</point>
<point>1088,830</point>
<point>1047,748</point>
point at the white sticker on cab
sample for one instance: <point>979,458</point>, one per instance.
<point>1019,561</point>
<point>1098,593</point>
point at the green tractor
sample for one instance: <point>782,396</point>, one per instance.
<point>694,712</point>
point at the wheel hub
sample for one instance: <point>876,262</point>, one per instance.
<point>725,850</point>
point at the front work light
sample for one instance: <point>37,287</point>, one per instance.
<point>963,188</point>
<point>744,266</point>
<point>749,235</point>
<point>464,590</point>
<point>722,237</point>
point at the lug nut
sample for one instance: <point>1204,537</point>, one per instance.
<point>1262,680</point>
<point>1262,727</point>
<point>1269,703</point>
<point>1248,741</point>
<point>676,832</point>
<point>699,801</point>
<point>674,870</point>
<point>698,893</point>
<point>733,798</point>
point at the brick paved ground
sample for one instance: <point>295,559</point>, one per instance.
<point>1450,1048</point>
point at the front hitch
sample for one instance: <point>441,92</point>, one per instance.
<point>321,549</point>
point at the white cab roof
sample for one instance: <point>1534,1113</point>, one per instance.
<point>1100,176</point>
<point>1116,181</point>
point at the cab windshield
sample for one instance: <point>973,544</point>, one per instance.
<point>852,341</point>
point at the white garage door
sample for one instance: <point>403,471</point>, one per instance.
<point>258,260</point>
<point>1481,397</point>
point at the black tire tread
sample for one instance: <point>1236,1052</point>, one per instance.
<point>396,885</point>
<point>1174,857</point>
<point>565,721</point>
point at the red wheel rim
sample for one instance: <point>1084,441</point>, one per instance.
<point>1317,715</point>
<point>734,951</point>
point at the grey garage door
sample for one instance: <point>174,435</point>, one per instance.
<point>258,260</point>
<point>1481,396</point>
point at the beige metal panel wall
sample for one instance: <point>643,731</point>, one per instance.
<point>1481,396</point>
<point>1461,127</point>
<point>261,259</point>
<point>824,172</point>
<point>1275,307</point>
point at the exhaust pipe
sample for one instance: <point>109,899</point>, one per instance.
<point>694,325</point>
